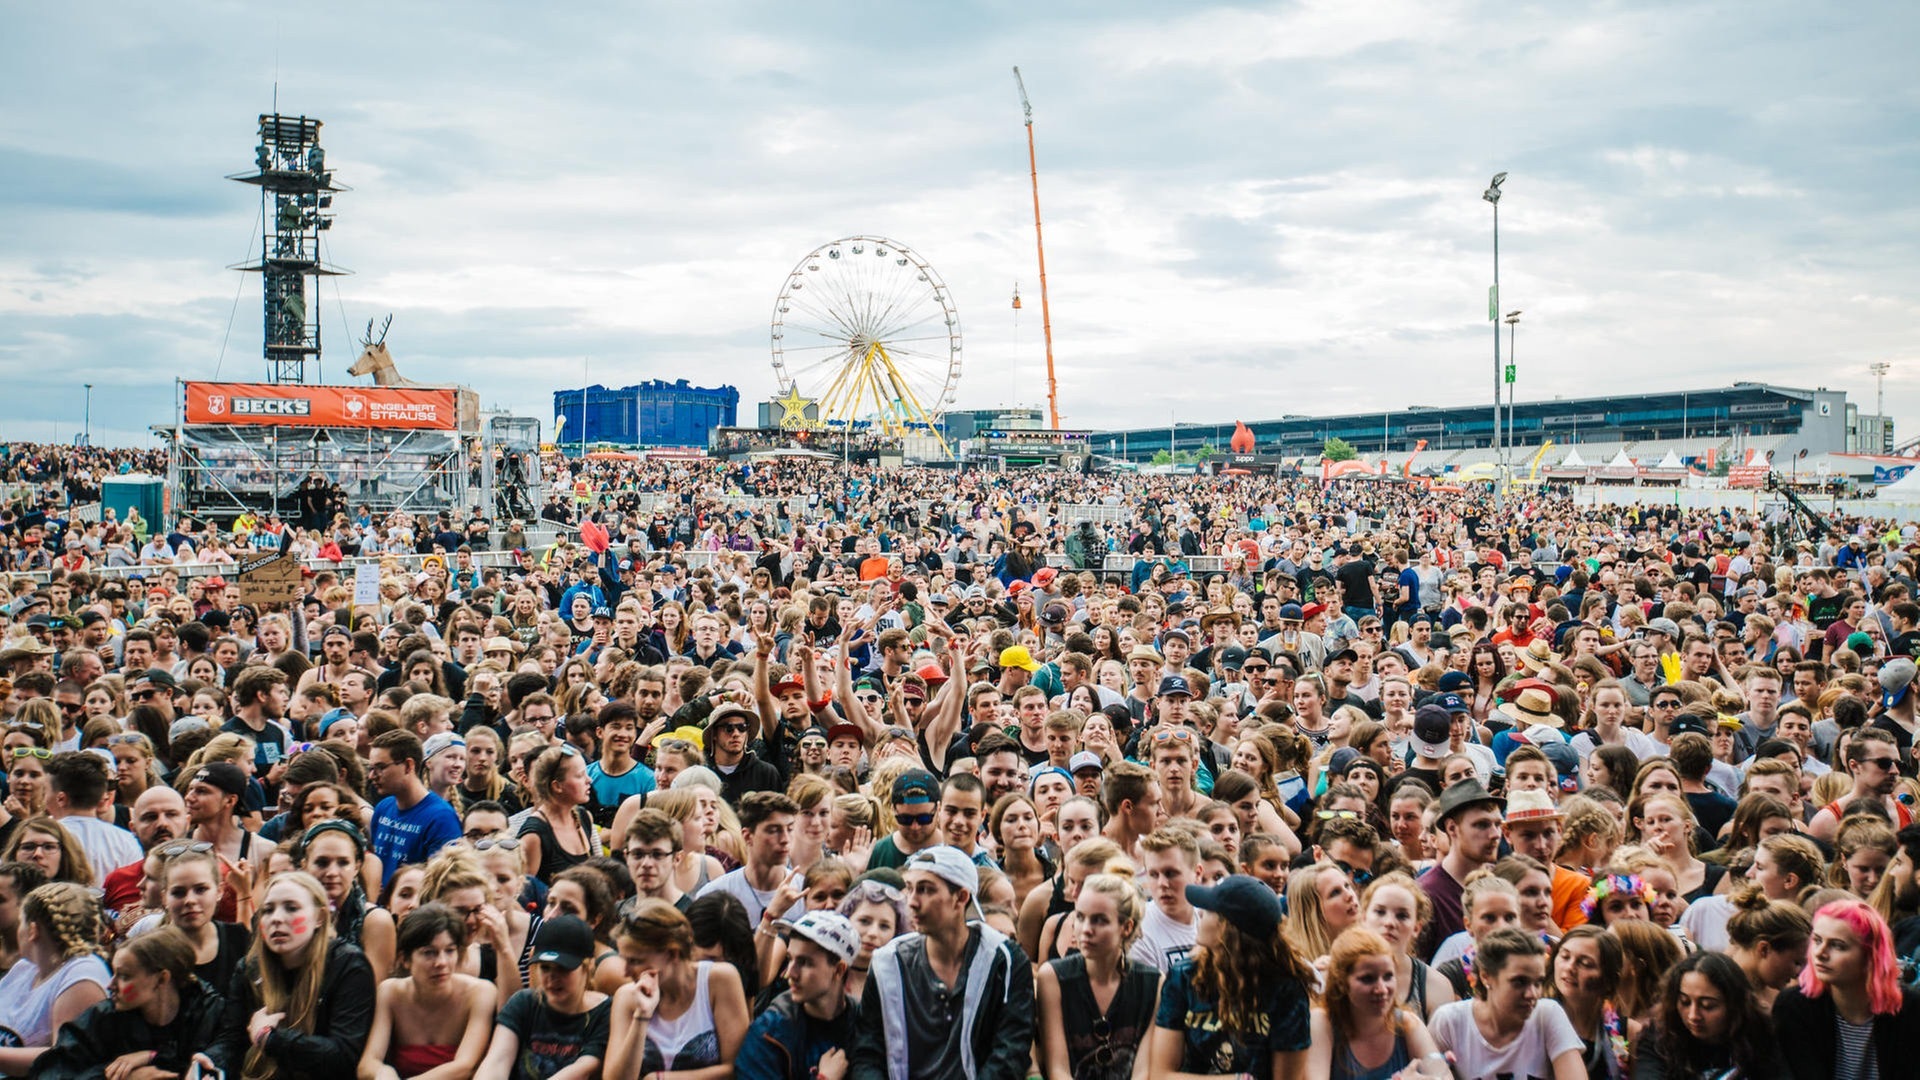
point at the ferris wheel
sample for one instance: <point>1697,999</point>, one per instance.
<point>867,329</point>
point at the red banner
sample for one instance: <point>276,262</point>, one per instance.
<point>295,405</point>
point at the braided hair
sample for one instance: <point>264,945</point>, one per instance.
<point>69,914</point>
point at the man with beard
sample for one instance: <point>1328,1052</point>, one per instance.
<point>1873,760</point>
<point>159,816</point>
<point>1470,819</point>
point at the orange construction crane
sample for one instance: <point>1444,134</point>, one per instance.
<point>1046,315</point>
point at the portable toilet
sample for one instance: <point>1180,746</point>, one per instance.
<point>136,491</point>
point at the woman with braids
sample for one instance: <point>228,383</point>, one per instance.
<point>333,851</point>
<point>60,974</point>
<point>432,1022</point>
<point>1849,1016</point>
<point>1095,1007</point>
<point>1768,939</point>
<point>1360,1032</point>
<point>1238,1004</point>
<point>301,1004</point>
<point>1506,1028</point>
<point>159,1016</point>
<point>1583,974</point>
<point>1708,1027</point>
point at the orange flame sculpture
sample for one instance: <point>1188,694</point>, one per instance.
<point>1242,441</point>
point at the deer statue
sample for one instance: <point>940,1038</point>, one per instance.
<point>376,361</point>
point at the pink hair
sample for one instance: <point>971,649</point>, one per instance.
<point>1883,969</point>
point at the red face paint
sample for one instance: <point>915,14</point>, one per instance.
<point>300,924</point>
<point>129,995</point>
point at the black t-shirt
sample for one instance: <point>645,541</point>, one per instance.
<point>549,1040</point>
<point>1357,579</point>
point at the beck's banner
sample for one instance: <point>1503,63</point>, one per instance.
<point>295,405</point>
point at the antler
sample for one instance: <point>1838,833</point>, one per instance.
<point>368,340</point>
<point>383,329</point>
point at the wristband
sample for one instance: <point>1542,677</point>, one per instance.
<point>825,701</point>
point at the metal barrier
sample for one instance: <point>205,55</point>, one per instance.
<point>1098,512</point>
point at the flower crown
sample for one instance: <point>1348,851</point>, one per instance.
<point>1615,885</point>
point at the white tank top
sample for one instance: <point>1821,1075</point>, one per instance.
<point>687,1041</point>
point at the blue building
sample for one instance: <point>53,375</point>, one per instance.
<point>652,413</point>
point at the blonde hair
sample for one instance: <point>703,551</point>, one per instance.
<point>225,746</point>
<point>295,995</point>
<point>1116,884</point>
<point>70,916</point>
<point>453,868</point>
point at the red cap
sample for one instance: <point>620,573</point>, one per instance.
<point>1311,610</point>
<point>932,674</point>
<point>216,582</point>
<point>1017,587</point>
<point>791,682</point>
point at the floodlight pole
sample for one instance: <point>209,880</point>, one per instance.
<point>1492,195</point>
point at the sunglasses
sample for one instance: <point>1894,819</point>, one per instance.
<point>125,738</point>
<point>732,728</point>
<point>914,819</point>
<point>33,752</point>
<point>1329,815</point>
<point>1185,735</point>
<point>182,847</point>
<point>505,843</point>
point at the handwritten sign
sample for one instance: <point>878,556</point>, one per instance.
<point>272,578</point>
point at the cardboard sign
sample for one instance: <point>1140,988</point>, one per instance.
<point>272,578</point>
<point>366,586</point>
<point>303,405</point>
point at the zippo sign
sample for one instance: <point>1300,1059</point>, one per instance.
<point>293,405</point>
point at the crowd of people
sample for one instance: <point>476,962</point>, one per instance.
<point>900,782</point>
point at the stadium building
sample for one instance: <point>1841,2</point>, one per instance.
<point>1725,421</point>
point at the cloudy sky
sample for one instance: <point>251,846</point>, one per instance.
<point>1250,210</point>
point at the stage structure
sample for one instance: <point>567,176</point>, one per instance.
<point>296,189</point>
<point>248,446</point>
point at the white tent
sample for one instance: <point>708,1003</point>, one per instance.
<point>1621,460</point>
<point>1904,490</point>
<point>1573,459</point>
<point>1671,461</point>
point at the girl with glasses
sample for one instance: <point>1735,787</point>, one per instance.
<point>48,845</point>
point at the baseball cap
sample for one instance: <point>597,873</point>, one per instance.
<point>846,730</point>
<point>915,786</point>
<point>445,740</point>
<point>1684,725</point>
<point>1174,684</point>
<point>223,775</point>
<point>1432,731</point>
<point>185,724</point>
<point>1454,681</point>
<point>1017,656</point>
<point>789,682</point>
<point>1232,658</point>
<point>1896,678</point>
<point>1085,759</point>
<point>563,941</point>
<point>1243,901</point>
<point>1453,703</point>
<point>1043,769</point>
<point>828,929</point>
<point>603,612</point>
<point>1662,626</point>
<point>1290,613</point>
<point>332,716</point>
<point>1055,613</point>
<point>1347,654</point>
<point>949,864</point>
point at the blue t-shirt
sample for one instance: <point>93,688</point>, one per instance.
<point>412,835</point>
<point>610,790</point>
<point>1283,1020</point>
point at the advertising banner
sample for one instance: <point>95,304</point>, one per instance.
<point>296,405</point>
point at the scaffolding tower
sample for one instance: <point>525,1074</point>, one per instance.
<point>296,189</point>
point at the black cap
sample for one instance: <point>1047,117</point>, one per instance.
<point>1243,901</point>
<point>563,941</point>
<point>224,775</point>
